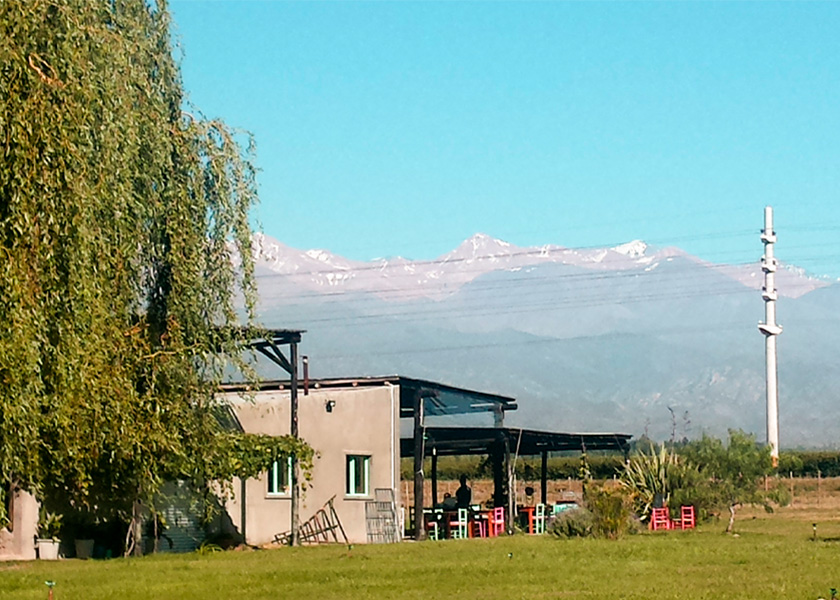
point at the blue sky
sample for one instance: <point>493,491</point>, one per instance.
<point>388,128</point>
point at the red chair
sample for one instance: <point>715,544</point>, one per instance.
<point>528,511</point>
<point>660,518</point>
<point>687,520</point>
<point>497,521</point>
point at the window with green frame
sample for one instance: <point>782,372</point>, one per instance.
<point>358,475</point>
<point>280,477</point>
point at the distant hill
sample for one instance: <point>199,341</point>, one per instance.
<point>597,339</point>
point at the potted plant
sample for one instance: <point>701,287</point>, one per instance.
<point>80,525</point>
<point>49,527</point>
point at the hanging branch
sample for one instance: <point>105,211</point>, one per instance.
<point>120,216</point>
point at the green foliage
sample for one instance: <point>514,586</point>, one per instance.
<point>780,496</point>
<point>735,470</point>
<point>611,509</point>
<point>663,477</point>
<point>247,455</point>
<point>705,474</point>
<point>527,469</point>
<point>584,470</point>
<point>4,502</point>
<point>124,243</point>
<point>208,548</point>
<point>575,522</point>
<point>690,487</point>
<point>608,514</point>
<point>49,524</point>
<point>650,478</point>
<point>790,462</point>
<point>810,463</point>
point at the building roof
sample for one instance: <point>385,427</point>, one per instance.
<point>441,399</point>
<point>524,442</point>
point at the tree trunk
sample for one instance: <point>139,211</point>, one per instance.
<point>731,525</point>
<point>157,533</point>
<point>11,502</point>
<point>138,531</point>
<point>134,535</point>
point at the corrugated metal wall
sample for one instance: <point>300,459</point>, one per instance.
<point>181,512</point>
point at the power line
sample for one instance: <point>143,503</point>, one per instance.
<point>531,342</point>
<point>675,275</point>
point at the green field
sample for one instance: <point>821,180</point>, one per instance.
<point>773,556</point>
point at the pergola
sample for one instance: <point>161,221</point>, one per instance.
<point>500,442</point>
<point>497,442</point>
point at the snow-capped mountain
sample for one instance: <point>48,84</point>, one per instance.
<point>608,339</point>
<point>400,278</point>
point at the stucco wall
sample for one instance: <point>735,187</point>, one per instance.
<point>363,421</point>
<point>19,543</point>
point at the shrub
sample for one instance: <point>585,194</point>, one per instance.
<point>576,522</point>
<point>611,510</point>
<point>780,496</point>
<point>650,478</point>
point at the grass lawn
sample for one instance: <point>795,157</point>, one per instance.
<point>773,556</point>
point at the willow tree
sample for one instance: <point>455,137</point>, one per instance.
<point>121,218</point>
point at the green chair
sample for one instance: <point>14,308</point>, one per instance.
<point>460,528</point>
<point>539,519</point>
<point>434,523</point>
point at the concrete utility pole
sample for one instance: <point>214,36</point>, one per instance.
<point>771,330</point>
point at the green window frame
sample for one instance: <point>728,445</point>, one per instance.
<point>358,475</point>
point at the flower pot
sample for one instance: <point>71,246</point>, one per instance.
<point>84,549</point>
<point>47,549</point>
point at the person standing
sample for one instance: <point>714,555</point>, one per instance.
<point>463,494</point>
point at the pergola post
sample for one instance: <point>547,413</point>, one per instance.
<point>497,460</point>
<point>295,488</point>
<point>498,416</point>
<point>511,493</point>
<point>419,520</point>
<point>544,477</point>
<point>243,509</point>
<point>434,477</point>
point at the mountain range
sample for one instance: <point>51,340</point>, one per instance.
<point>630,338</point>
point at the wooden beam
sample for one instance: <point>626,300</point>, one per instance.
<point>295,488</point>
<point>497,460</point>
<point>498,416</point>
<point>288,365</point>
<point>243,509</point>
<point>544,477</point>
<point>434,477</point>
<point>511,493</point>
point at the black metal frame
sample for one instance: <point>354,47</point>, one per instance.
<point>498,443</point>
<point>269,342</point>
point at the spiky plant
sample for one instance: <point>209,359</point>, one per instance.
<point>648,477</point>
